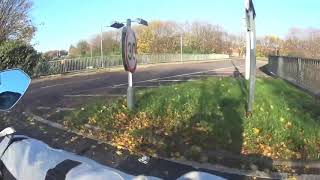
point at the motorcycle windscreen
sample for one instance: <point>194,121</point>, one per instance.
<point>13,85</point>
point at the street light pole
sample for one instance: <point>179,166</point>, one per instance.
<point>181,44</point>
<point>91,51</point>
<point>101,48</point>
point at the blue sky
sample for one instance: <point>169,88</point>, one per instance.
<point>68,21</point>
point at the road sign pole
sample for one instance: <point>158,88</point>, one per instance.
<point>129,79</point>
<point>252,62</point>
<point>248,40</point>
<point>130,90</point>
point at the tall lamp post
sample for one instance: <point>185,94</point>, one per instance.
<point>181,44</point>
<point>101,48</point>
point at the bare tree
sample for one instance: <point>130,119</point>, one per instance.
<point>15,22</point>
<point>313,40</point>
<point>206,38</point>
<point>302,43</point>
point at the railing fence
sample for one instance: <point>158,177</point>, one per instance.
<point>77,64</point>
<point>302,72</point>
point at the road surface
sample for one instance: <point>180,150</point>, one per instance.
<point>69,92</point>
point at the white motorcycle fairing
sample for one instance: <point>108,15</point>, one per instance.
<point>30,159</point>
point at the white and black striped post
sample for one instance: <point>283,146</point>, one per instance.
<point>251,29</point>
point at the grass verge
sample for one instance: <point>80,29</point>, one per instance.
<point>192,119</point>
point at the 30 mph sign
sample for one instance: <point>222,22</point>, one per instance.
<point>129,48</point>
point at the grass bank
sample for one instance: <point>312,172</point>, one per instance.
<point>192,119</point>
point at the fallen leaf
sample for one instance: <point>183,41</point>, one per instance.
<point>119,153</point>
<point>288,125</point>
<point>73,138</point>
<point>256,131</point>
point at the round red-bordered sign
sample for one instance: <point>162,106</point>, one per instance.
<point>129,49</point>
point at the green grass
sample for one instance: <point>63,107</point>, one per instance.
<point>191,119</point>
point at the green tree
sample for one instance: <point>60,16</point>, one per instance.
<point>73,51</point>
<point>145,38</point>
<point>83,48</point>
<point>14,54</point>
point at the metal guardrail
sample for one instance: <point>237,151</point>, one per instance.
<point>77,64</point>
<point>302,72</point>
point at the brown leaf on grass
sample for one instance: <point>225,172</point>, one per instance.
<point>288,125</point>
<point>298,155</point>
<point>92,120</point>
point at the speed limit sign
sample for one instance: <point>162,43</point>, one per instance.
<point>129,49</point>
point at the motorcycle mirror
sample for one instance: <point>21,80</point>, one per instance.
<point>13,85</point>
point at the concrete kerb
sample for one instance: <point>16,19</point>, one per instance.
<point>196,165</point>
<point>115,69</point>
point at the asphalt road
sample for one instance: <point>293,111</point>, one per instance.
<point>52,96</point>
<point>71,91</point>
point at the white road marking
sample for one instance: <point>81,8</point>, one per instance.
<point>44,87</point>
<point>175,80</point>
<point>179,75</point>
<point>210,75</point>
<point>43,107</point>
<point>93,95</point>
<point>143,87</point>
<point>63,84</point>
<point>82,95</point>
<point>65,109</point>
<point>161,78</point>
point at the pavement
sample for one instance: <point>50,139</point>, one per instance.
<point>40,115</point>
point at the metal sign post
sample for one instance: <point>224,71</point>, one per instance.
<point>129,50</point>
<point>130,90</point>
<point>129,46</point>
<point>247,65</point>
<point>252,64</point>
<point>250,16</point>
